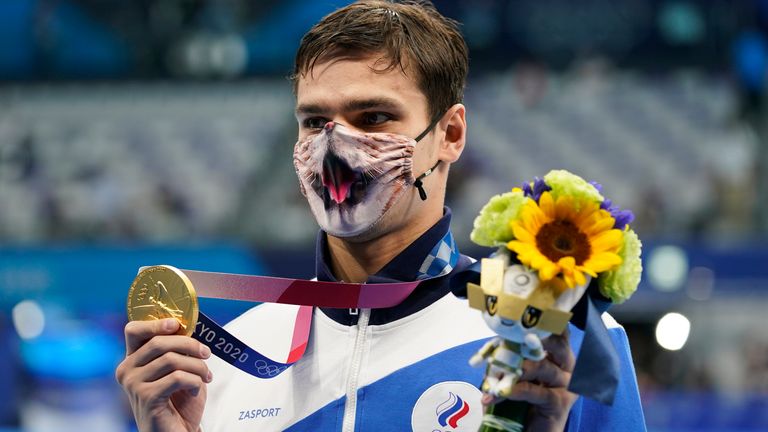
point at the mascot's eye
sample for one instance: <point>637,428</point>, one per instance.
<point>315,122</point>
<point>375,118</point>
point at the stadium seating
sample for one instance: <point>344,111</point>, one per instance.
<point>162,162</point>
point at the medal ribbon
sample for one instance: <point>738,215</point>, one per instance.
<point>307,294</point>
<point>299,292</point>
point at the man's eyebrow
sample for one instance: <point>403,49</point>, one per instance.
<point>310,109</point>
<point>376,102</point>
<point>352,105</point>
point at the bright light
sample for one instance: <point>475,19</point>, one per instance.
<point>667,268</point>
<point>28,319</point>
<point>672,331</point>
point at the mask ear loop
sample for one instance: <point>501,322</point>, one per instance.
<point>429,128</point>
<point>418,184</point>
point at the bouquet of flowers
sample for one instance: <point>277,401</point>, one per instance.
<point>556,237</point>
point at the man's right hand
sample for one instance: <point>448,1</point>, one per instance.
<point>164,376</point>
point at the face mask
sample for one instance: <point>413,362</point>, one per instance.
<point>351,179</point>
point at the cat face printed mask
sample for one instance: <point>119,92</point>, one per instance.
<point>352,179</point>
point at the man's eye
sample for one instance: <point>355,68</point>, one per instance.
<point>375,118</point>
<point>315,122</point>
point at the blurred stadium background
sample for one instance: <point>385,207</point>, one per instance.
<point>161,131</point>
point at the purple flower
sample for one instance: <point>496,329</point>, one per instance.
<point>622,217</point>
<point>539,187</point>
<point>597,186</point>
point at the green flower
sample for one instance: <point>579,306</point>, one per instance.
<point>491,227</point>
<point>619,284</point>
<point>564,183</point>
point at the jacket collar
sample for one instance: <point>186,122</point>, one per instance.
<point>405,267</point>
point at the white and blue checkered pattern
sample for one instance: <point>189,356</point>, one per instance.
<point>441,259</point>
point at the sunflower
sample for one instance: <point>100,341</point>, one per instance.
<point>566,237</point>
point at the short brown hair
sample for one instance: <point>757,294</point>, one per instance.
<point>412,35</point>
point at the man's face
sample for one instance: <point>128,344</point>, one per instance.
<point>355,93</point>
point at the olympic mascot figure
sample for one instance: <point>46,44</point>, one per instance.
<point>522,310</point>
<point>520,333</point>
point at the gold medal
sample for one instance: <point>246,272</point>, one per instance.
<point>160,292</point>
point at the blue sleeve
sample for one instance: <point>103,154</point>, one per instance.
<point>626,413</point>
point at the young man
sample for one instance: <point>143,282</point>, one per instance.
<point>379,88</point>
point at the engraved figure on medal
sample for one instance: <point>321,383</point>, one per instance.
<point>161,303</point>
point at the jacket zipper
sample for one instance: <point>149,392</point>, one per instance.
<point>350,406</point>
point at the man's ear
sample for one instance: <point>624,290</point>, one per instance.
<point>455,125</point>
